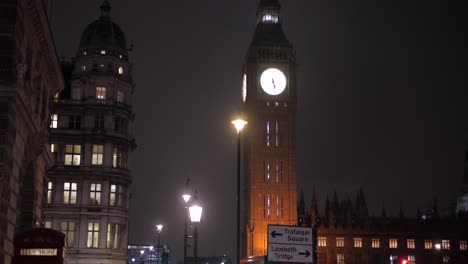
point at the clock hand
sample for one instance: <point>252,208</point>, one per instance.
<point>273,81</point>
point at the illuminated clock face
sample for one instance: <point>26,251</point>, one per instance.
<point>244,87</point>
<point>273,81</point>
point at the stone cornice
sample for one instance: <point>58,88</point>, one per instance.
<point>46,43</point>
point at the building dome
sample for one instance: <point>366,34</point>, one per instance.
<point>103,33</point>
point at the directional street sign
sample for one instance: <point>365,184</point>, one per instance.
<point>290,244</point>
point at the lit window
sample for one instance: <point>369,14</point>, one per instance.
<point>276,134</point>
<point>445,259</point>
<point>48,224</point>
<point>99,121</point>
<point>116,195</point>
<point>120,56</point>
<point>410,243</point>
<point>93,235</point>
<point>56,97</point>
<point>68,228</point>
<point>340,242</point>
<point>428,244</point>
<point>358,242</point>
<point>50,186</point>
<point>83,67</point>
<point>393,243</point>
<point>463,245</point>
<point>119,158</point>
<point>266,170</point>
<point>121,70</point>
<point>270,18</point>
<point>393,258</point>
<point>340,258</point>
<point>85,53</point>
<point>98,152</point>
<point>72,155</point>
<point>95,194</point>
<point>113,236</point>
<point>277,171</point>
<point>74,122</point>
<point>54,148</point>
<point>411,259</point>
<point>268,133</point>
<point>120,96</point>
<point>69,192</point>
<point>76,93</point>
<point>103,52</point>
<point>322,241</point>
<point>375,243</point>
<point>446,244</point>
<point>101,93</point>
<point>54,121</point>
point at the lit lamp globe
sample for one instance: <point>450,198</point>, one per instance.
<point>239,124</point>
<point>159,228</point>
<point>195,213</point>
<point>186,197</point>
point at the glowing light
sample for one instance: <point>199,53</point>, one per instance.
<point>186,197</point>
<point>142,252</point>
<point>159,228</point>
<point>404,261</point>
<point>437,246</point>
<point>195,213</point>
<point>239,124</point>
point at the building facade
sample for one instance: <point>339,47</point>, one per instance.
<point>29,77</point>
<point>269,103</point>
<point>90,135</point>
<point>347,234</point>
<point>149,254</point>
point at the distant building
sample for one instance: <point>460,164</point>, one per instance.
<point>149,254</point>
<point>347,234</point>
<point>30,76</point>
<point>87,193</point>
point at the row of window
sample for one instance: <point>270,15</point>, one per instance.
<point>84,68</point>
<point>74,122</point>
<point>114,234</point>
<point>269,210</point>
<point>73,154</point>
<point>392,243</point>
<point>102,52</point>
<point>273,171</point>
<point>101,93</point>
<point>70,194</point>
<point>340,259</point>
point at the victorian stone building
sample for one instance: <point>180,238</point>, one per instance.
<point>347,234</point>
<point>29,78</point>
<point>88,190</point>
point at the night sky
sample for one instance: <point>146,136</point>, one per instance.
<point>380,104</point>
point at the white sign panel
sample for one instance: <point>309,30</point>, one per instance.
<point>290,253</point>
<point>290,244</point>
<point>289,235</point>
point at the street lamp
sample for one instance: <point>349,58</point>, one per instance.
<point>186,196</point>
<point>159,228</point>
<point>195,216</point>
<point>239,125</point>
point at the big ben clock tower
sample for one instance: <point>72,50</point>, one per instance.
<point>269,102</point>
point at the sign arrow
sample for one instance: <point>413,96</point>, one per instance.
<point>306,253</point>
<point>274,234</point>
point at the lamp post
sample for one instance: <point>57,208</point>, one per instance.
<point>186,196</point>
<point>195,216</point>
<point>239,125</point>
<point>159,228</point>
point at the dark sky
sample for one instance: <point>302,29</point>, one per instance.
<point>380,103</point>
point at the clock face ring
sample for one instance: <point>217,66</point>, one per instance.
<point>273,81</point>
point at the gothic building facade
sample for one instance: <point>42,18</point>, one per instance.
<point>29,77</point>
<point>90,136</point>
<point>347,234</point>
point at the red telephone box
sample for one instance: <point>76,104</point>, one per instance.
<point>39,246</point>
